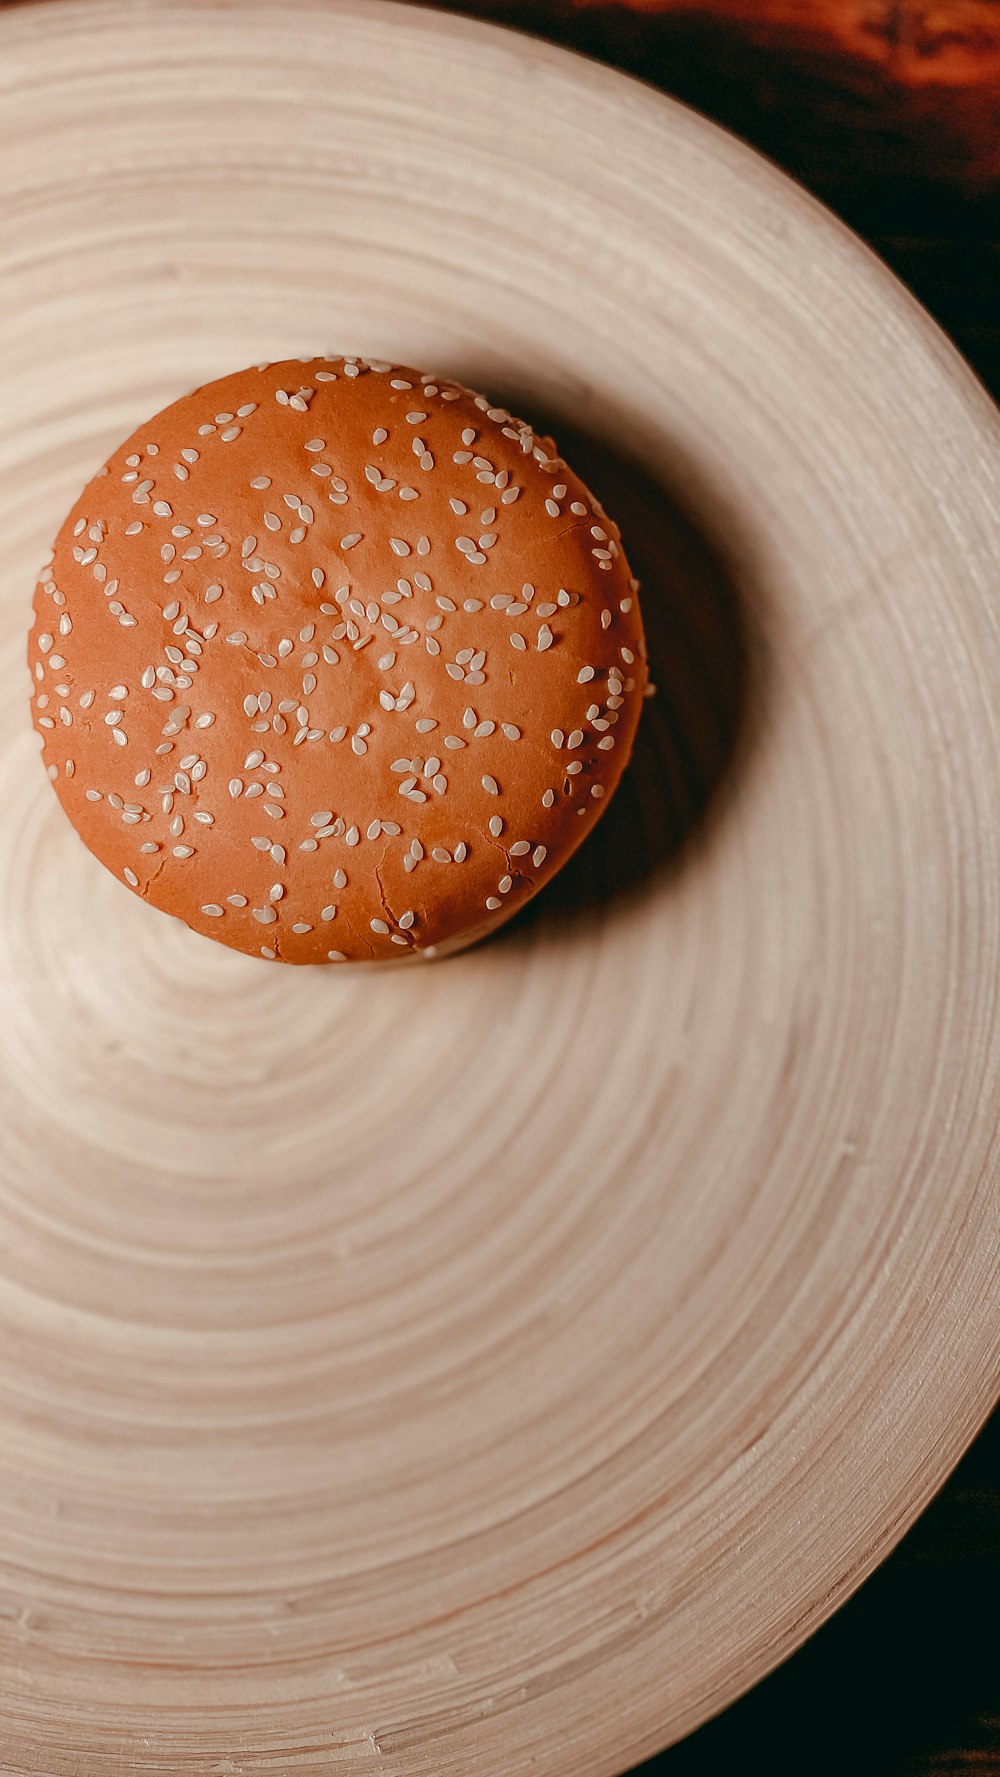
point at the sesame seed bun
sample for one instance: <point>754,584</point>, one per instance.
<point>336,662</point>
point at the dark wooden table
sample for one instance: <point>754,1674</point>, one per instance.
<point>889,110</point>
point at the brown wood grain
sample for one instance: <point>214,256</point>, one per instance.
<point>889,112</point>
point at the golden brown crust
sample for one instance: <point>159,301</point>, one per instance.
<point>333,662</point>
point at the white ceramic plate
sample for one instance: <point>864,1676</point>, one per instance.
<point>498,1367</point>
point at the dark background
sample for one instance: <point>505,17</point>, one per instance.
<point>889,110</point>
<point>891,114</point>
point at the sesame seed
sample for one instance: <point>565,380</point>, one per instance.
<point>490,785</point>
